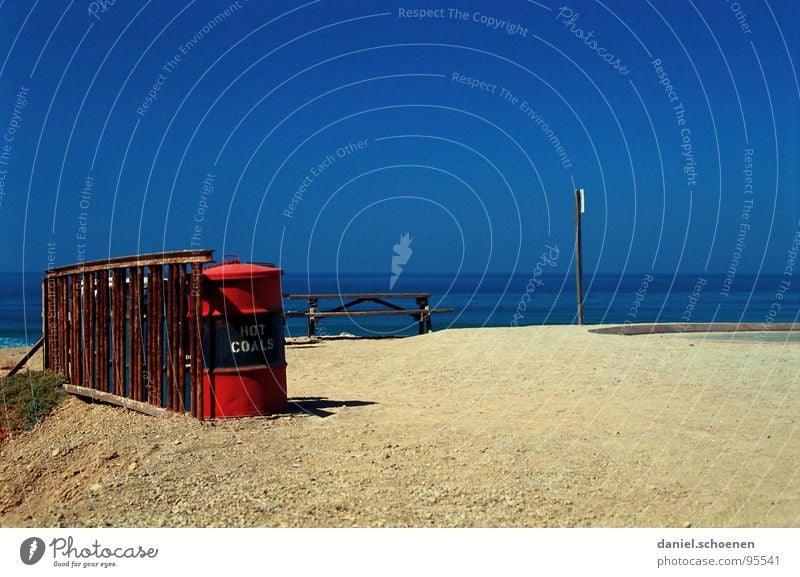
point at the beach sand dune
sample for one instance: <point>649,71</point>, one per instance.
<point>537,426</point>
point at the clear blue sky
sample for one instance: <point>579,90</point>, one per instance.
<point>273,97</point>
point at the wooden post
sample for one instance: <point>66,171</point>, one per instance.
<point>46,363</point>
<point>26,358</point>
<point>102,330</point>
<point>118,333</point>
<point>154,331</point>
<point>578,252</point>
<point>181,326</point>
<point>87,328</point>
<point>135,316</point>
<point>172,302</point>
<point>75,329</point>
<point>62,320</point>
<point>312,319</point>
<point>195,339</point>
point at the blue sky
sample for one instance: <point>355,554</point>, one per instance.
<point>315,134</point>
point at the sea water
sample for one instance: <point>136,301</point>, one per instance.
<point>490,300</point>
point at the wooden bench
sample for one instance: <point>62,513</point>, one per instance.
<point>421,313</point>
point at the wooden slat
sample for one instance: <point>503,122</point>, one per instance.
<point>47,361</point>
<point>69,361</point>
<point>130,345</point>
<point>148,355</point>
<point>154,328</point>
<point>118,296</point>
<point>170,336</point>
<point>323,296</point>
<point>61,327</point>
<point>182,328</point>
<point>158,292</point>
<point>195,336</point>
<point>70,333</point>
<point>48,322</point>
<point>101,361</point>
<point>135,323</point>
<point>56,345</point>
<point>86,330</point>
<point>323,314</point>
<point>142,341</point>
<point>94,361</point>
<point>172,345</point>
<point>75,329</point>
<point>191,340</point>
<point>114,280</point>
<point>117,400</point>
<point>199,363</point>
<point>163,258</point>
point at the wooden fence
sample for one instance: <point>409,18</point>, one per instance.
<point>128,330</point>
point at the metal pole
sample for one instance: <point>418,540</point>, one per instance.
<point>578,252</point>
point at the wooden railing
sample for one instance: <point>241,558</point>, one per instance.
<point>421,312</point>
<point>122,331</point>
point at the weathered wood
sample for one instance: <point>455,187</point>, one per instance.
<point>75,329</point>
<point>118,295</point>
<point>50,324</point>
<point>195,335</point>
<point>312,319</point>
<point>422,314</point>
<point>425,320</point>
<point>172,337</point>
<point>163,258</point>
<point>157,288</point>
<point>26,358</point>
<point>150,352</point>
<point>325,296</point>
<point>62,324</point>
<point>101,362</point>
<point>56,344</point>
<point>370,313</point>
<point>170,298</point>
<point>135,324</point>
<point>112,399</point>
<point>94,327</point>
<point>70,368</point>
<point>86,330</point>
<point>45,353</point>
<point>182,328</point>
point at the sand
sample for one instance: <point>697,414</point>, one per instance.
<point>9,357</point>
<point>538,426</point>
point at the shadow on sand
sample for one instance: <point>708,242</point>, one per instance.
<point>316,405</point>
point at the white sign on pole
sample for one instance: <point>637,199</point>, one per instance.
<point>583,206</point>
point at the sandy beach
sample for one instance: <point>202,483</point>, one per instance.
<point>549,426</point>
<point>9,357</point>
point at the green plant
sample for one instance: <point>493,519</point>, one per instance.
<point>28,397</point>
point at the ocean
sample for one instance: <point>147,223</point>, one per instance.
<point>491,300</point>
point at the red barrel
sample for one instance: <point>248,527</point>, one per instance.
<point>243,343</point>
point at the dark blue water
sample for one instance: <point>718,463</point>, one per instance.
<point>492,300</point>
<point>20,309</point>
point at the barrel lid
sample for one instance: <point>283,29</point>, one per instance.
<point>235,270</point>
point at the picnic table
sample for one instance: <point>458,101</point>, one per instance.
<point>421,312</point>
